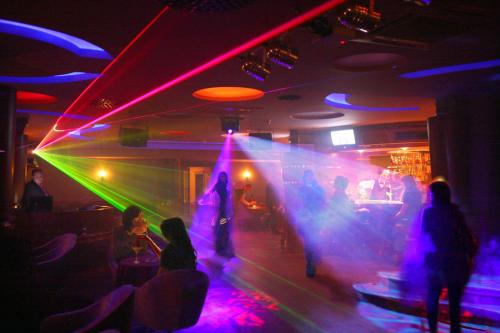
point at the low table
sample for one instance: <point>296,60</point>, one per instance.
<point>137,274</point>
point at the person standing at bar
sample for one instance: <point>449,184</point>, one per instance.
<point>313,202</point>
<point>449,258</point>
<point>221,201</point>
<point>381,186</point>
<point>33,189</point>
<point>405,217</point>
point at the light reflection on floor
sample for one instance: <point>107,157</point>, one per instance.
<point>396,322</point>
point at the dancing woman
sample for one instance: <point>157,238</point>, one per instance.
<point>223,219</point>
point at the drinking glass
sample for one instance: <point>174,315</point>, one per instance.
<point>136,250</point>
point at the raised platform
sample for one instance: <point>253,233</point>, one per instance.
<point>481,303</point>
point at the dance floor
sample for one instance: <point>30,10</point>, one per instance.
<point>264,290</point>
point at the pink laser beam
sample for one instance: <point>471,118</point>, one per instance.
<point>234,52</point>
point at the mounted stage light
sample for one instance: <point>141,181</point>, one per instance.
<point>104,103</point>
<point>230,125</point>
<point>282,55</point>
<point>255,68</point>
<point>134,137</point>
<point>360,18</point>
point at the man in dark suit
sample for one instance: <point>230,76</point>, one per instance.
<point>33,189</point>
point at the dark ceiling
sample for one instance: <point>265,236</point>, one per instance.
<point>366,66</point>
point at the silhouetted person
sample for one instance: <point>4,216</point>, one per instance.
<point>125,236</point>
<point>404,218</point>
<point>341,211</point>
<point>341,205</point>
<point>33,189</point>
<point>448,263</point>
<point>179,252</point>
<point>272,204</point>
<point>221,201</point>
<point>313,203</point>
<point>412,198</point>
<point>247,198</point>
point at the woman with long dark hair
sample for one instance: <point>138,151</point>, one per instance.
<point>448,261</point>
<point>221,201</point>
<point>179,252</point>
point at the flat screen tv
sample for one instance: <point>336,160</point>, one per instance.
<point>343,137</point>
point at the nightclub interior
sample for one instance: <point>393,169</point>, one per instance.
<point>244,166</point>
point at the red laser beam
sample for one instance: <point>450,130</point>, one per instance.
<point>225,56</point>
<point>122,52</point>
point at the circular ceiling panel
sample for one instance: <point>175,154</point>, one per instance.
<point>228,94</point>
<point>316,115</point>
<point>369,62</point>
<point>340,100</point>
<point>29,97</point>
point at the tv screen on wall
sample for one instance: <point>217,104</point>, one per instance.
<point>344,137</point>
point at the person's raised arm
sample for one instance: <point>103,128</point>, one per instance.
<point>151,243</point>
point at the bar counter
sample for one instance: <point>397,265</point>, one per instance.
<point>40,227</point>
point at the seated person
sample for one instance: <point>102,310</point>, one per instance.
<point>247,198</point>
<point>125,236</point>
<point>34,189</point>
<point>179,252</point>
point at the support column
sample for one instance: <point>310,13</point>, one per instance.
<point>20,158</point>
<point>465,144</point>
<point>7,118</point>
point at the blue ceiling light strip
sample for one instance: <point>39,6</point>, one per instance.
<point>452,69</point>
<point>340,101</point>
<point>73,44</point>
<point>60,78</point>
<point>54,114</point>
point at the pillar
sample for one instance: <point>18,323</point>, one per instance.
<point>465,145</point>
<point>20,158</point>
<point>7,132</point>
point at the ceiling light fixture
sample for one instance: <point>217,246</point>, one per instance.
<point>73,44</point>
<point>281,55</point>
<point>228,94</point>
<point>340,101</point>
<point>59,78</point>
<point>360,18</point>
<point>257,69</point>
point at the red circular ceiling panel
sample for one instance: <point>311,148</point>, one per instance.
<point>228,94</point>
<point>29,97</point>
